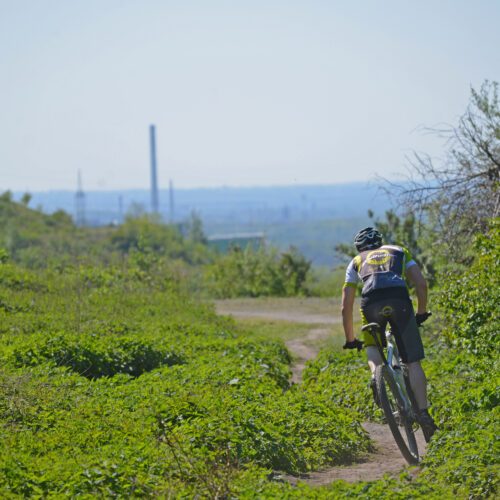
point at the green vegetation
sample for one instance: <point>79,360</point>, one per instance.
<point>31,237</point>
<point>316,238</point>
<point>462,458</point>
<point>325,282</point>
<point>117,382</point>
<point>38,241</point>
<point>470,301</point>
<point>250,273</point>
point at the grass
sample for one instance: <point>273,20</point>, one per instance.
<point>272,329</point>
<point>306,305</point>
<point>277,329</point>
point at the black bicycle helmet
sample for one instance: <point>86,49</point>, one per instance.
<point>367,239</point>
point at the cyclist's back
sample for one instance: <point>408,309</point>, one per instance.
<point>384,297</point>
<point>382,271</point>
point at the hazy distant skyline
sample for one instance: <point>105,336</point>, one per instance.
<point>242,93</point>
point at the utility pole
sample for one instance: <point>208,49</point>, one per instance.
<point>154,178</point>
<point>80,202</point>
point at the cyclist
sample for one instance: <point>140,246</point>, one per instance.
<point>383,271</point>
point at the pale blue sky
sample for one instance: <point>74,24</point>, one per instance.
<point>242,92</point>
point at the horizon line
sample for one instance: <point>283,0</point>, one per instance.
<point>201,188</point>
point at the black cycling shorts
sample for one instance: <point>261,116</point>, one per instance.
<point>398,312</point>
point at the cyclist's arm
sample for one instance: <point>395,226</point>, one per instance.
<point>348,295</point>
<point>416,277</point>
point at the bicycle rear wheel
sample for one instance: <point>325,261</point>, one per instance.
<point>400,424</point>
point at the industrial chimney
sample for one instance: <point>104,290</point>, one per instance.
<point>154,178</point>
<point>80,202</point>
<point>171,200</point>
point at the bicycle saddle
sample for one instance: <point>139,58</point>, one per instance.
<point>371,326</point>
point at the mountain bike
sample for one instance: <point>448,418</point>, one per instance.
<point>395,395</point>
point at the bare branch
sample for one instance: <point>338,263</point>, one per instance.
<point>462,191</point>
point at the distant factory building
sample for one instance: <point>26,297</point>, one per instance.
<point>224,242</point>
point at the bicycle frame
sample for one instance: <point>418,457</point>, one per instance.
<point>392,360</point>
<point>394,393</point>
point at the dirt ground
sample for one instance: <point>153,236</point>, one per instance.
<point>314,311</point>
<point>321,314</point>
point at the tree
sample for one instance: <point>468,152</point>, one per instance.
<point>460,195</point>
<point>26,198</point>
<point>294,267</point>
<point>195,231</point>
<point>147,233</point>
<point>6,196</point>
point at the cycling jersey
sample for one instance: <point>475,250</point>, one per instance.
<point>379,269</point>
<point>385,298</point>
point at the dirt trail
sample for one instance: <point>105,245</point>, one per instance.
<point>295,316</point>
<point>386,457</point>
<point>303,351</point>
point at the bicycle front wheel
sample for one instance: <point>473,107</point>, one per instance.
<point>400,424</point>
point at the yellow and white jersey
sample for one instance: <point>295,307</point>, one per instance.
<point>381,268</point>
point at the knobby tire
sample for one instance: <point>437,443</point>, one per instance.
<point>389,396</point>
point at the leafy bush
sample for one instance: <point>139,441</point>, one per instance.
<point>254,273</point>
<point>464,452</point>
<point>469,301</point>
<point>342,378</point>
<point>95,357</point>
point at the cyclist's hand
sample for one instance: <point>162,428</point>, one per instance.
<point>422,317</point>
<point>355,344</point>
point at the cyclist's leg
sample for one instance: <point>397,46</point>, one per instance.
<point>418,382</point>
<point>410,348</point>
<point>371,314</point>
<point>374,357</point>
